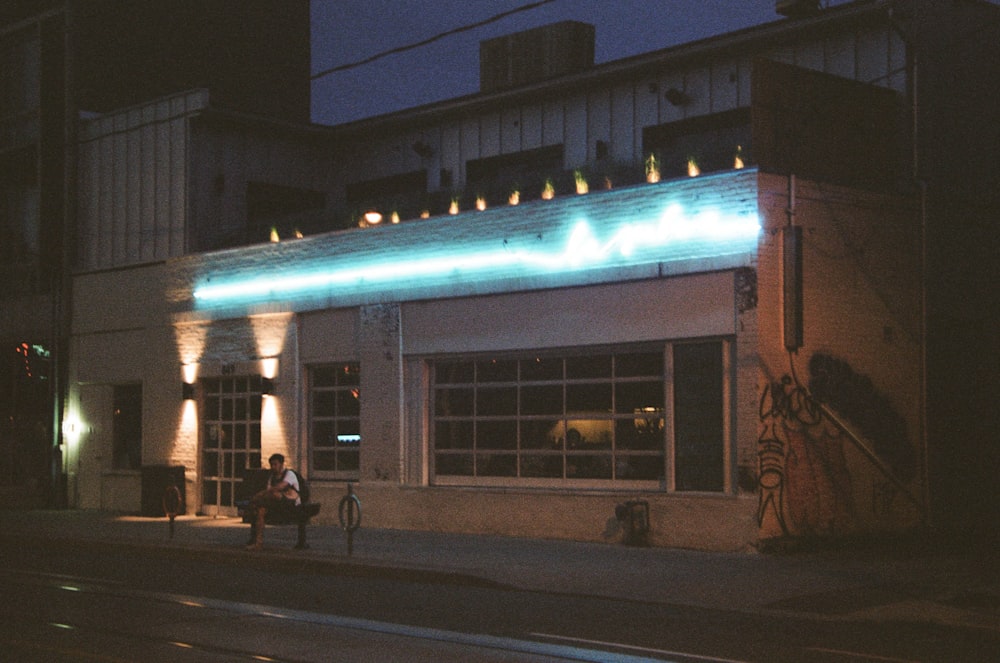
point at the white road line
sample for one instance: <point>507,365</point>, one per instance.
<point>858,654</point>
<point>645,650</point>
<point>507,644</point>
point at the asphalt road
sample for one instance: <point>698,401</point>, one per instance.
<point>101,602</point>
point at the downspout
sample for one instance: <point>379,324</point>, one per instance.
<point>790,210</point>
<point>921,183</point>
<point>791,276</point>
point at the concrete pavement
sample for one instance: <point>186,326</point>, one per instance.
<point>911,581</point>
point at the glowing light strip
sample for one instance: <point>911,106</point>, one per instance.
<point>631,244</point>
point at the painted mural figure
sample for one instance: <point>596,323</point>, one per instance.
<point>282,492</point>
<point>804,482</point>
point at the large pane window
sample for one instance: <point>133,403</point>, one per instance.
<point>698,424</point>
<point>582,418</point>
<point>335,420</point>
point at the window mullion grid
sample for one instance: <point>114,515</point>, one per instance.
<point>614,416</point>
<point>517,421</point>
<point>336,425</point>
<point>668,418</point>
<point>565,425</point>
<point>475,419</point>
<point>482,413</point>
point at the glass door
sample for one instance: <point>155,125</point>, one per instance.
<point>230,439</point>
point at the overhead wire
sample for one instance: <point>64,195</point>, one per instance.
<point>429,40</point>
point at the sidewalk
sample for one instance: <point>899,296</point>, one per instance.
<point>956,588</point>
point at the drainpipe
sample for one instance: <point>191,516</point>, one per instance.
<point>790,210</point>
<point>791,275</point>
<point>921,183</point>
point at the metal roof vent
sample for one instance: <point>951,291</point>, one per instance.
<point>796,8</point>
<point>533,55</point>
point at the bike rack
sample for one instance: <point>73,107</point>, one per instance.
<point>349,511</point>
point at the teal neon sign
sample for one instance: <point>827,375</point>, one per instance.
<point>576,246</point>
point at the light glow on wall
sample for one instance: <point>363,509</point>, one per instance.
<point>269,332</point>
<point>676,234</point>
<point>189,420</point>
<point>191,339</point>
<point>272,430</point>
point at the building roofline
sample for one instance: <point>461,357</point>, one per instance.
<point>632,67</point>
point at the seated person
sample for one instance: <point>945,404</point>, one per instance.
<point>282,492</point>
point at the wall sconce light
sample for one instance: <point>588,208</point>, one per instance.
<point>187,391</point>
<point>267,386</point>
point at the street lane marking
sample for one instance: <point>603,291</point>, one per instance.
<point>858,654</point>
<point>646,650</point>
<point>476,640</point>
<point>59,576</point>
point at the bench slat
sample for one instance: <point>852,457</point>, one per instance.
<point>283,516</point>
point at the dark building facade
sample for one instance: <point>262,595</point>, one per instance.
<point>65,59</point>
<point>561,321</point>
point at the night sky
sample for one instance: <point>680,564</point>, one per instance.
<point>348,31</point>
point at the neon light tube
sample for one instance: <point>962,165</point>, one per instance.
<point>673,235</point>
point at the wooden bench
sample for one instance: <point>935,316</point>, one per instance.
<point>298,515</point>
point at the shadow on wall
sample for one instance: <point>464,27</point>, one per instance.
<point>804,478</point>
<point>853,396</point>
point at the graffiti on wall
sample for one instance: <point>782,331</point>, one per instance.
<point>804,481</point>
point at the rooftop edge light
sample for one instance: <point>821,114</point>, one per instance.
<point>630,243</point>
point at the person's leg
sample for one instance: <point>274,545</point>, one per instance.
<point>253,525</point>
<point>258,506</point>
<point>257,529</point>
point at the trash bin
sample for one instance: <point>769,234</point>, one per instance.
<point>155,479</point>
<point>634,517</point>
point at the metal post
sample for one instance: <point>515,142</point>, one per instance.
<point>349,512</point>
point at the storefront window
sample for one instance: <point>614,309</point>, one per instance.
<point>587,418</point>
<point>335,420</point>
<point>698,426</point>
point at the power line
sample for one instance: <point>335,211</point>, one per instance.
<point>442,35</point>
